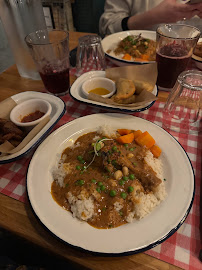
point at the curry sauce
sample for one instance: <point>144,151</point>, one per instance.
<point>107,171</point>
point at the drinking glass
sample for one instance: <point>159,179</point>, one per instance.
<point>50,51</point>
<point>175,45</point>
<point>20,18</point>
<point>90,54</point>
<point>182,111</point>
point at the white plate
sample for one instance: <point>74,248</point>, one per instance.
<point>76,94</point>
<point>58,109</point>
<point>129,238</point>
<point>111,41</point>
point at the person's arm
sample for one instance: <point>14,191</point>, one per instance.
<point>169,11</point>
<point>111,19</point>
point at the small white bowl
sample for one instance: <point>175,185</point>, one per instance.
<point>197,60</point>
<point>27,107</point>
<point>97,82</point>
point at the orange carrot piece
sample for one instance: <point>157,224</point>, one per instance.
<point>124,131</point>
<point>156,150</point>
<point>145,57</point>
<point>126,138</point>
<point>127,56</point>
<point>145,139</point>
<point>139,59</point>
<point>137,133</point>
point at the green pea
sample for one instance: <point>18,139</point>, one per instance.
<point>112,193</point>
<point>80,182</point>
<point>80,158</point>
<point>123,195</point>
<point>78,167</point>
<point>93,181</point>
<point>100,184</point>
<point>114,148</point>
<point>131,149</point>
<point>98,189</point>
<point>130,189</point>
<point>131,176</point>
<point>125,178</point>
<point>102,188</point>
<point>121,182</point>
<point>114,162</point>
<point>129,38</point>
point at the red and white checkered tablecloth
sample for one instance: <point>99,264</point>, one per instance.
<point>182,248</point>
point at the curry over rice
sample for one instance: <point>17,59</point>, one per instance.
<point>107,183</point>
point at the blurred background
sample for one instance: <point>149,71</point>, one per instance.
<point>70,15</point>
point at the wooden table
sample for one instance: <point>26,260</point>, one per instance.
<point>19,219</point>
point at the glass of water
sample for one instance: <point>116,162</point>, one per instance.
<point>90,55</point>
<point>182,112</point>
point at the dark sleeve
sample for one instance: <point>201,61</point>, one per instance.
<point>124,24</point>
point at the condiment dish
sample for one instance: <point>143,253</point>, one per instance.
<point>29,108</point>
<point>198,61</point>
<point>99,85</point>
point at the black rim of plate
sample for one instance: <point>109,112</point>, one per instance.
<point>131,252</point>
<point>43,136</point>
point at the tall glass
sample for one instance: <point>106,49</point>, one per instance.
<point>175,45</point>
<point>20,18</point>
<point>50,51</point>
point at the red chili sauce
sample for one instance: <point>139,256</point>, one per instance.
<point>32,117</point>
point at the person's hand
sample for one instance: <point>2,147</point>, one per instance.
<point>170,11</point>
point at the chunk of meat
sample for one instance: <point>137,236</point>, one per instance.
<point>10,132</point>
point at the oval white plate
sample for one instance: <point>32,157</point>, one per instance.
<point>110,42</point>
<point>129,238</point>
<point>77,94</point>
<point>58,110</point>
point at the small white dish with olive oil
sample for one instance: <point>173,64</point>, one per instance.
<point>100,86</point>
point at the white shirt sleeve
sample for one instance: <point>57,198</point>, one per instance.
<point>115,12</point>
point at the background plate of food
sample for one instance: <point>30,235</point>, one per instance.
<point>102,176</point>
<point>134,47</point>
<point>77,94</point>
<point>197,54</point>
<point>13,146</point>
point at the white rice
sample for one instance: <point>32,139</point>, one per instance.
<point>118,206</point>
<point>106,130</point>
<point>83,209</point>
<point>145,203</point>
<point>61,171</point>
